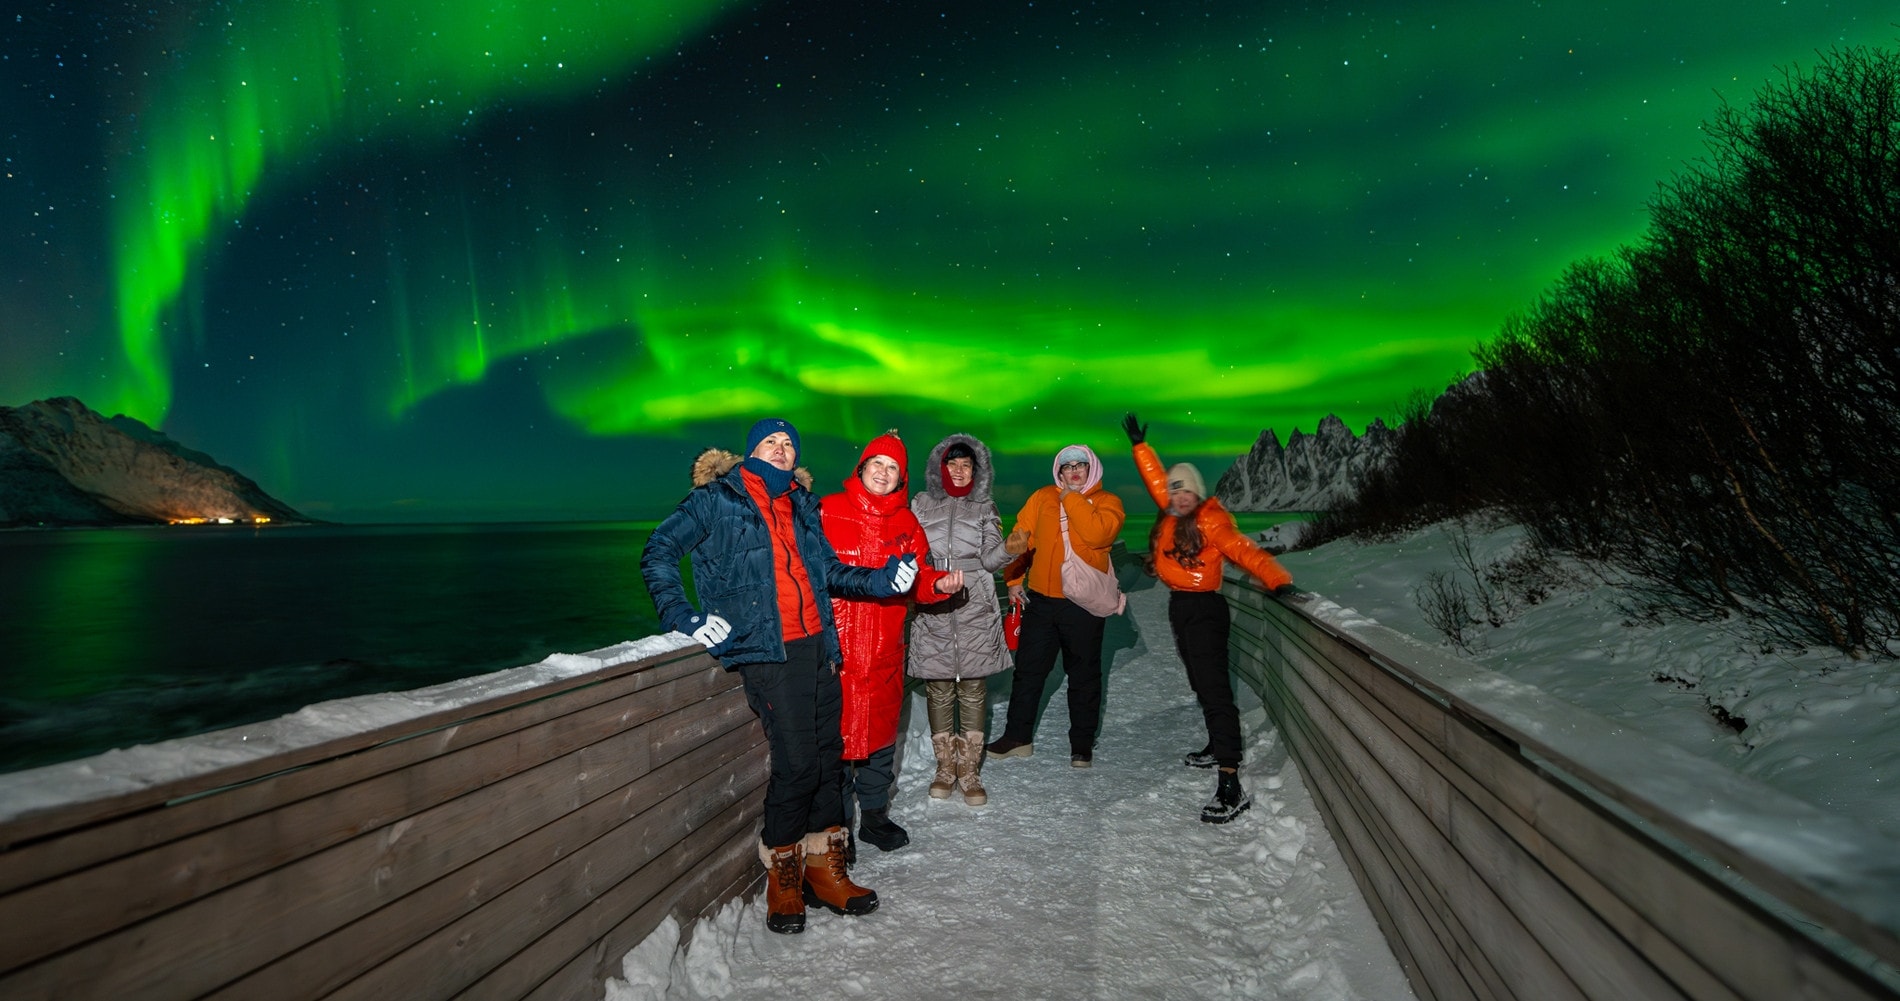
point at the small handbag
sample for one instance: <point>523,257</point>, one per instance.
<point>1012,625</point>
<point>1096,591</point>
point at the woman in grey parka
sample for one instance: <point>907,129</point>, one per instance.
<point>957,643</point>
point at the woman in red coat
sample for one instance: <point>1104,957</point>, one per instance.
<point>867,523</point>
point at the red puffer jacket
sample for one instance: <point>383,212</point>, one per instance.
<point>867,530</point>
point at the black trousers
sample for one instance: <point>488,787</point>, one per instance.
<point>799,702</point>
<point>1054,626</point>
<point>867,783</point>
<point>1200,622</point>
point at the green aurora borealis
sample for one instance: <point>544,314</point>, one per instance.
<point>488,260</point>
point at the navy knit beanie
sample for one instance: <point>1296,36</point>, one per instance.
<point>768,426</point>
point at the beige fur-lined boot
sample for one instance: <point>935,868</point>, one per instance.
<point>945,781</point>
<point>969,759</point>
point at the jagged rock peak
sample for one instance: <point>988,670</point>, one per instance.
<point>61,463</point>
<point>1310,473</point>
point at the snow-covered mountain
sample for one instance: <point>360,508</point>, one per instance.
<point>63,464</point>
<point>1311,473</point>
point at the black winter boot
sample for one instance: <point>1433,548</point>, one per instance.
<point>1009,747</point>
<point>1229,801</point>
<point>1203,758</point>
<point>877,828</point>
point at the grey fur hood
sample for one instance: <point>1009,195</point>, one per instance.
<point>979,484</point>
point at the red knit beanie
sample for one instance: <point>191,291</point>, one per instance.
<point>891,447</point>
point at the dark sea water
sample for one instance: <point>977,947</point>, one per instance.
<point>114,637</point>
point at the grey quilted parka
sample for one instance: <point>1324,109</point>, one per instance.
<point>963,636</point>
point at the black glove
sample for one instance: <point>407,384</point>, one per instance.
<point>1137,431</point>
<point>1289,592</point>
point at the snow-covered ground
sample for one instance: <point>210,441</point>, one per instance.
<point>1815,724</point>
<point>1072,883</point>
<point>1102,883</point>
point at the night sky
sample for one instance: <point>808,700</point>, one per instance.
<point>484,260</point>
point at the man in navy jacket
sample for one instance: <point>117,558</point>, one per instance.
<point>764,575</point>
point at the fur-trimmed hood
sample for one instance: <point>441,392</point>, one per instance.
<point>734,546</point>
<point>979,483</point>
<point>713,463</point>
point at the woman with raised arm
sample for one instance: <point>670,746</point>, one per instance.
<point>1192,537</point>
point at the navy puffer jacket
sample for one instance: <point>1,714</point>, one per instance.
<point>721,530</point>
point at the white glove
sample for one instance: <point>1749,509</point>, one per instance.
<point>714,632</point>
<point>904,575</point>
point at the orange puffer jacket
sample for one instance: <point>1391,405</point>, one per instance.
<point>1219,538</point>
<point>1095,519</point>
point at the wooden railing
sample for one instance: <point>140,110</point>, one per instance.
<point>504,845</point>
<point>1513,846</point>
<point>516,841</point>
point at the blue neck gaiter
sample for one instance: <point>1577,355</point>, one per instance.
<point>777,480</point>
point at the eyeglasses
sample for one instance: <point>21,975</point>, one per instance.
<point>1074,465</point>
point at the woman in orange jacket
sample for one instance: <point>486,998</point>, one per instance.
<point>1074,508</point>
<point>1192,537</point>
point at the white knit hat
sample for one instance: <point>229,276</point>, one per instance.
<point>1183,476</point>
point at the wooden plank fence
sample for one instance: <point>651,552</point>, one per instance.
<point>516,843</point>
<point>510,846</point>
<point>1513,846</point>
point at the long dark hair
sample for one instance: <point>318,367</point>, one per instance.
<point>1187,540</point>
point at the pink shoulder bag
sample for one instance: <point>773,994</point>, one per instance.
<point>1096,591</point>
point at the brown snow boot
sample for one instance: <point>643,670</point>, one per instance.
<point>826,883</point>
<point>784,882</point>
<point>945,781</point>
<point>969,763</point>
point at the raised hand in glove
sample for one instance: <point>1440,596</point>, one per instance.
<point>1137,431</point>
<point>712,631</point>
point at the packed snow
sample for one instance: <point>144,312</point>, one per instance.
<point>1103,883</point>
<point>1071,883</point>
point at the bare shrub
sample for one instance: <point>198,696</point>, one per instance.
<point>1714,410</point>
<point>1480,593</point>
<point>1447,608</point>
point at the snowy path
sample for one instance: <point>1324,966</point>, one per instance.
<point>1097,883</point>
